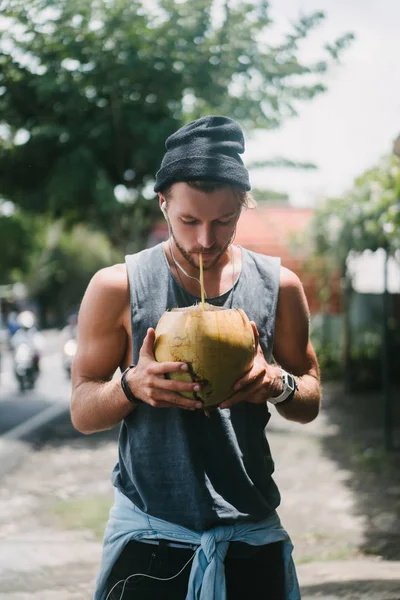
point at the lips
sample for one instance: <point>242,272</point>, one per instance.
<point>208,257</point>
<point>213,253</point>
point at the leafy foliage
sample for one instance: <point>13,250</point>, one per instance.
<point>17,241</point>
<point>64,264</point>
<point>368,217</point>
<point>90,89</point>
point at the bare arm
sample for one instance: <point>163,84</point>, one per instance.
<point>293,352</point>
<point>98,402</point>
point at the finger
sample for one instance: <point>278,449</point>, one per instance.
<point>163,368</point>
<point>148,343</point>
<point>162,404</point>
<point>249,379</point>
<point>232,401</point>
<point>177,386</point>
<point>165,404</point>
<point>159,404</point>
<point>174,400</point>
<point>250,391</point>
<point>256,334</point>
<point>258,398</point>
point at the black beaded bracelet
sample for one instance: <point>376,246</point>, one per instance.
<point>127,390</point>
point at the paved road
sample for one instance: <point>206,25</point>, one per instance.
<point>334,512</point>
<point>52,386</point>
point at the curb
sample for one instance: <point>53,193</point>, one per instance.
<point>16,443</point>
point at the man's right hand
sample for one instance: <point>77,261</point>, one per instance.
<point>148,381</point>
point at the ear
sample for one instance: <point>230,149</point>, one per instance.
<point>163,204</point>
<point>161,199</point>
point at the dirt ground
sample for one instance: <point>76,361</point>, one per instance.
<point>340,504</point>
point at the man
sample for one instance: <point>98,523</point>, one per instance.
<point>194,513</point>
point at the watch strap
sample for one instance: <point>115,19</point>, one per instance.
<point>289,387</point>
<point>127,390</point>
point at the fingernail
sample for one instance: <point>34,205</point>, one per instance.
<point>199,405</point>
<point>184,368</point>
<point>196,388</point>
<point>237,387</point>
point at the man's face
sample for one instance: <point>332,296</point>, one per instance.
<point>202,222</point>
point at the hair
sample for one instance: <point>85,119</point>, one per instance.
<point>244,198</point>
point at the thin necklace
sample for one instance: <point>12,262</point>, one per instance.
<point>180,268</point>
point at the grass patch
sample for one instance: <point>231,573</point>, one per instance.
<point>86,513</point>
<point>335,554</point>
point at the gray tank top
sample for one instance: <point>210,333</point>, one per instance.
<point>182,466</point>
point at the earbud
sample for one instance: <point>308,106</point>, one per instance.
<point>163,205</point>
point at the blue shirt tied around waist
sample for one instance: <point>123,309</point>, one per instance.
<point>207,577</point>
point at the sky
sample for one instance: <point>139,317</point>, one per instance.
<point>347,129</point>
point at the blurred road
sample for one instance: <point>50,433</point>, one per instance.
<point>51,387</point>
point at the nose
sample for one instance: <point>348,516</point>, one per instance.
<point>206,237</point>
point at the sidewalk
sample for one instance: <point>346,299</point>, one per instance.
<point>340,504</point>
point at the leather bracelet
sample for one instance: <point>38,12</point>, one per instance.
<point>127,390</point>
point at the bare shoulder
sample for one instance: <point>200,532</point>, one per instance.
<point>107,294</point>
<point>291,293</point>
<point>289,279</point>
<point>111,279</point>
<point>103,335</point>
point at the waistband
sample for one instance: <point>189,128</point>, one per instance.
<point>235,550</point>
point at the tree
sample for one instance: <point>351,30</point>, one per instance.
<point>366,218</point>
<point>90,89</point>
<point>62,266</point>
<point>17,241</point>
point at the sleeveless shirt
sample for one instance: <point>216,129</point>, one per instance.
<point>182,466</point>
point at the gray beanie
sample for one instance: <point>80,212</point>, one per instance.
<point>204,150</point>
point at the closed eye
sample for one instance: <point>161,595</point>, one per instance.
<point>217,222</point>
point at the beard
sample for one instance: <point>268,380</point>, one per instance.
<point>216,251</point>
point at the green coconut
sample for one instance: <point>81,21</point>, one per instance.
<point>216,343</point>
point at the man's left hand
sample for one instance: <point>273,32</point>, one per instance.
<point>259,384</point>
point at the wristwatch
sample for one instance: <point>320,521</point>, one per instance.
<point>127,390</point>
<point>289,387</point>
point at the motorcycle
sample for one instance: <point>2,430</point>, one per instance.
<point>26,366</point>
<point>69,351</point>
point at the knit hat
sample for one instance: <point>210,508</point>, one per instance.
<point>204,150</point>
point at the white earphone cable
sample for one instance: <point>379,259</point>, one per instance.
<point>125,581</point>
<point>178,266</point>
